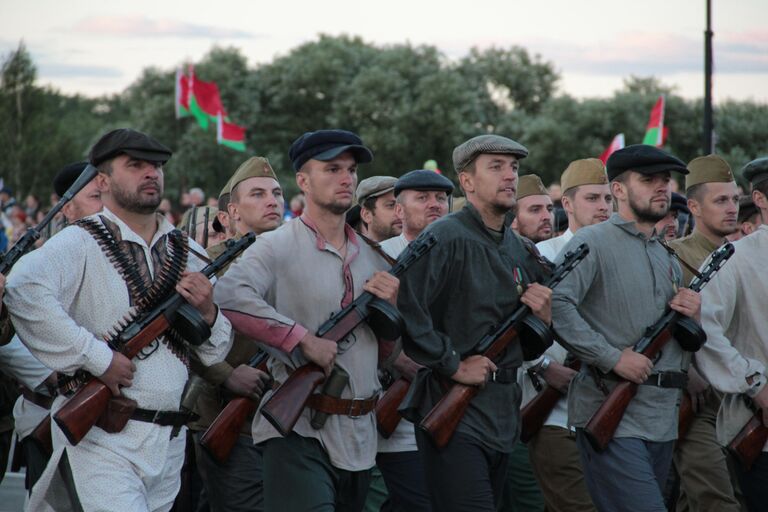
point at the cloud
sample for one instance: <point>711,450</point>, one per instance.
<point>142,26</point>
<point>51,70</point>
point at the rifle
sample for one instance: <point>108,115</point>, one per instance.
<point>604,422</point>
<point>222,434</point>
<point>82,411</point>
<point>442,420</point>
<point>536,412</point>
<point>748,444</point>
<point>284,407</point>
<point>387,415</point>
<point>32,235</point>
<point>685,417</point>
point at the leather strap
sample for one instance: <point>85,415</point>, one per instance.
<point>674,380</point>
<point>37,398</point>
<point>503,376</point>
<point>163,418</point>
<point>352,407</point>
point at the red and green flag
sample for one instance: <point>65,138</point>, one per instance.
<point>182,94</point>
<point>655,133</point>
<point>230,134</point>
<point>616,144</point>
<point>198,98</point>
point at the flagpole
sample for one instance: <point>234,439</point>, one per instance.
<point>708,144</point>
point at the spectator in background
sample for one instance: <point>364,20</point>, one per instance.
<point>295,207</point>
<point>196,196</point>
<point>31,205</point>
<point>556,193</point>
<point>7,201</point>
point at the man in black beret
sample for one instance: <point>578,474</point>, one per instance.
<point>279,292</point>
<point>421,197</point>
<point>81,284</point>
<point>626,283</point>
<point>756,172</point>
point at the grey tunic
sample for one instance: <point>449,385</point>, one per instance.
<point>605,305</point>
<point>450,299</point>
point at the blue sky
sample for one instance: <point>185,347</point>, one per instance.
<point>92,47</point>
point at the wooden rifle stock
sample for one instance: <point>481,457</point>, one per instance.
<point>536,412</point>
<point>284,407</point>
<point>223,432</point>
<point>387,416</point>
<point>76,417</point>
<point>42,435</point>
<point>748,443</point>
<point>441,422</point>
<point>604,422</point>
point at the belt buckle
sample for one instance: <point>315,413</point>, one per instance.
<point>658,378</point>
<point>493,376</point>
<point>351,409</point>
<point>156,416</point>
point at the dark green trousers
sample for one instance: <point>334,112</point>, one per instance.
<point>299,477</point>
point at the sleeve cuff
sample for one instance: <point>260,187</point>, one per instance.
<point>290,342</point>
<point>449,365</point>
<point>608,360</point>
<point>98,359</point>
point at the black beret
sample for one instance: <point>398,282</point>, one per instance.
<point>643,159</point>
<point>131,142</point>
<point>423,179</point>
<point>756,171</point>
<point>67,176</point>
<point>326,145</point>
<point>679,203</point>
<point>747,209</point>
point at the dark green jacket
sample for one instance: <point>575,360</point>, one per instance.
<point>464,287</point>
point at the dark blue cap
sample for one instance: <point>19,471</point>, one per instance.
<point>679,203</point>
<point>643,159</point>
<point>67,176</point>
<point>326,145</point>
<point>423,179</point>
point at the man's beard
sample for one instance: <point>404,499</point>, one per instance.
<point>646,214</point>
<point>134,202</point>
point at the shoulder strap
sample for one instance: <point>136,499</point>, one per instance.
<point>377,247</point>
<point>674,254</point>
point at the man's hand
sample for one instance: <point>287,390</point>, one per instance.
<point>320,351</point>
<point>539,298</point>
<point>198,291</point>
<point>761,401</point>
<point>687,302</point>
<point>633,366</point>
<point>383,285</point>
<point>248,382</point>
<point>558,376</point>
<point>119,374</point>
<point>474,371</point>
<point>696,388</point>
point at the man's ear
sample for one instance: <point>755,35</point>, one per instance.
<point>102,182</point>
<point>467,182</point>
<point>233,213</point>
<point>366,215</point>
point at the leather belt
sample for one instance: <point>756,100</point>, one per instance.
<point>163,418</point>
<point>675,380</point>
<point>352,407</point>
<point>503,376</point>
<point>37,398</point>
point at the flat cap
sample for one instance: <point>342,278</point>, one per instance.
<point>708,169</point>
<point>464,153</point>
<point>67,176</point>
<point>530,185</point>
<point>423,179</point>
<point>747,209</point>
<point>587,171</point>
<point>326,145</point>
<point>679,203</point>
<point>374,186</point>
<point>643,159</point>
<point>756,171</point>
<point>131,142</point>
<point>254,167</point>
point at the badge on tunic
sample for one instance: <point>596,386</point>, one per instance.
<point>518,277</point>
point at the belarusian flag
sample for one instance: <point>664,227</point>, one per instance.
<point>204,100</point>
<point>616,144</point>
<point>182,94</point>
<point>229,134</point>
<point>654,132</point>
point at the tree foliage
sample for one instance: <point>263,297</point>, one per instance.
<point>409,103</point>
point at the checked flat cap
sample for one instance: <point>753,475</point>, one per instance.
<point>466,152</point>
